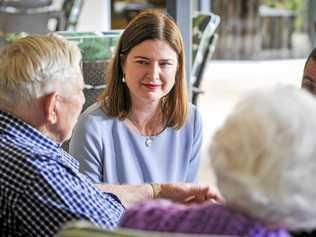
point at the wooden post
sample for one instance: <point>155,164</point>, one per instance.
<point>239,30</point>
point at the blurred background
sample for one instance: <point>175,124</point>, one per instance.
<point>250,29</point>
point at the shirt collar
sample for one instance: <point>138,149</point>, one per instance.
<point>20,130</point>
<point>16,127</point>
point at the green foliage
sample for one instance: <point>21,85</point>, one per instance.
<point>299,7</point>
<point>11,37</point>
<point>293,5</point>
<point>93,45</point>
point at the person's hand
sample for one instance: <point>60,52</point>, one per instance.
<point>189,193</point>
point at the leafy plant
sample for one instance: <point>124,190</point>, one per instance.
<point>294,5</point>
<point>299,7</point>
<point>11,37</point>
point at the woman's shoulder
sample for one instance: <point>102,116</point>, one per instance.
<point>194,118</point>
<point>94,113</point>
<point>194,112</point>
<point>94,117</point>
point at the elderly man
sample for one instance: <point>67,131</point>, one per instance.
<point>41,187</point>
<point>309,75</point>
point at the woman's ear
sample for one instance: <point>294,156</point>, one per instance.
<point>50,107</point>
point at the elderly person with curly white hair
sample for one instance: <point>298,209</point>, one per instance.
<point>264,158</point>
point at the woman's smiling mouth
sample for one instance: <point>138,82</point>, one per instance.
<point>151,86</point>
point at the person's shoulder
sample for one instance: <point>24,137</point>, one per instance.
<point>94,115</point>
<point>194,118</point>
<point>194,111</point>
<point>94,121</point>
<point>94,111</point>
<point>26,162</point>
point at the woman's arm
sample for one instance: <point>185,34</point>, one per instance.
<point>177,192</point>
<point>195,155</point>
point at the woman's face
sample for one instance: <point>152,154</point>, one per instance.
<point>150,70</point>
<point>309,77</point>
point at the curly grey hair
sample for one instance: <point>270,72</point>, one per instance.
<point>265,157</point>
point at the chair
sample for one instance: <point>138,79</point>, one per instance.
<point>33,21</point>
<point>86,229</point>
<point>204,41</point>
<point>71,10</point>
<point>25,4</point>
<point>97,50</point>
<point>28,16</point>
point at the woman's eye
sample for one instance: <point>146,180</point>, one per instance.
<point>142,62</point>
<point>166,64</point>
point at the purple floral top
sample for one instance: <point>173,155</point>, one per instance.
<point>208,218</point>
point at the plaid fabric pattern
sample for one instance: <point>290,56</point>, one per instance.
<point>41,187</point>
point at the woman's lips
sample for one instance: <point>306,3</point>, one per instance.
<point>151,86</point>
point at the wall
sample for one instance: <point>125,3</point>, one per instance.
<point>95,16</point>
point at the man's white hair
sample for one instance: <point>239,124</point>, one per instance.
<point>35,66</point>
<point>265,157</point>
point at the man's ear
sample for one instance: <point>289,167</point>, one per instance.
<point>50,107</point>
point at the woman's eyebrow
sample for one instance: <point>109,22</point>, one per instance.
<point>146,58</point>
<point>141,57</point>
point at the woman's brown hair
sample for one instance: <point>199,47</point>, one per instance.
<point>148,25</point>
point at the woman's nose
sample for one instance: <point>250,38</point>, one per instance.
<point>154,71</point>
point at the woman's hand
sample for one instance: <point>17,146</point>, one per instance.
<point>189,193</point>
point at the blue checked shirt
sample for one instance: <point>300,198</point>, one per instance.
<point>41,187</point>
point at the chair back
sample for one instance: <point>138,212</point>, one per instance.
<point>25,4</point>
<point>97,49</point>
<point>71,10</point>
<point>204,41</point>
<point>30,20</point>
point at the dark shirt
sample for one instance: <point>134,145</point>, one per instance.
<point>41,187</point>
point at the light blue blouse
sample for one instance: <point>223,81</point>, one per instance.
<point>110,152</point>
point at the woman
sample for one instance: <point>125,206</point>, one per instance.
<point>143,128</point>
<point>264,158</point>
<point>309,75</point>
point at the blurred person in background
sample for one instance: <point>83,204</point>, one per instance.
<point>309,74</point>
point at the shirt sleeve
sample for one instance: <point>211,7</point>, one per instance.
<point>196,147</point>
<point>59,194</point>
<point>86,147</point>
